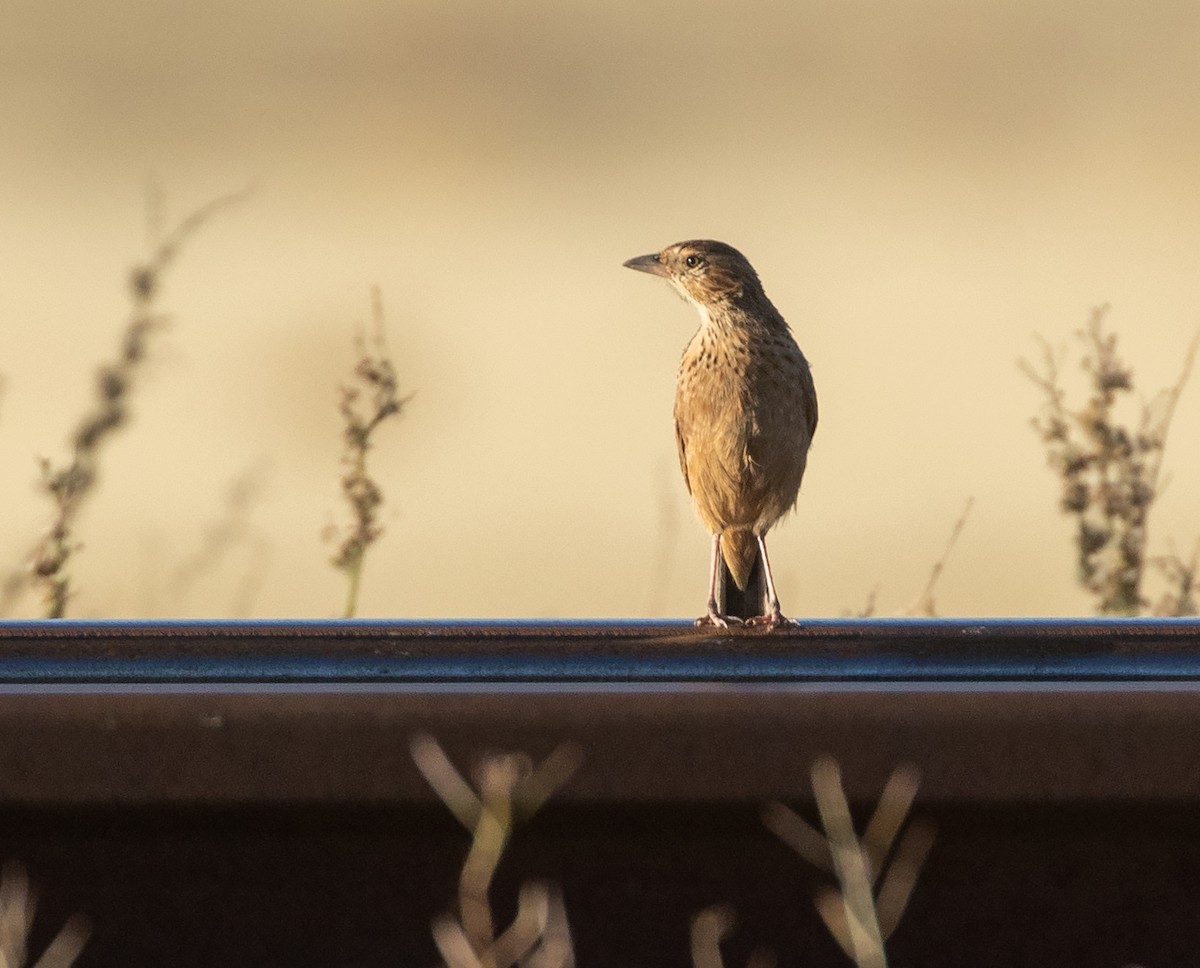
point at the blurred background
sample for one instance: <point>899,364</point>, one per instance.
<point>923,186</point>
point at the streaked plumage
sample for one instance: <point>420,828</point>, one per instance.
<point>745,407</point>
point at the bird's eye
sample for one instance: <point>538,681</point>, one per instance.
<point>692,261</point>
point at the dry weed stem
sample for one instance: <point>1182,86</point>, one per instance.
<point>1110,469</point>
<point>68,486</point>
<point>376,378</point>
<point>925,605</point>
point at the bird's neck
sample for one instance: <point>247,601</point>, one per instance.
<point>741,317</point>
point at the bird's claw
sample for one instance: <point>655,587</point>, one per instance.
<point>768,623</point>
<point>717,620</point>
<point>775,620</point>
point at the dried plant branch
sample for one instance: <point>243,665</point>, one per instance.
<point>555,948</point>
<point>831,907</point>
<point>851,867</point>
<point>666,542</point>
<point>13,586</point>
<point>446,781</point>
<point>537,938</point>
<point>1182,596</point>
<point>894,804</point>
<point>253,577</point>
<point>17,906</point>
<point>1110,470</point>
<point>1169,400</point>
<point>709,928</point>
<point>230,529</point>
<point>376,377</point>
<point>520,937</point>
<point>891,900</point>
<point>490,838</point>
<point>925,604</point>
<point>868,608</point>
<point>539,784</point>
<point>798,834</point>
<point>506,786</point>
<point>859,917</point>
<point>68,486</point>
<point>453,945</point>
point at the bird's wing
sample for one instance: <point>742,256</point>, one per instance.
<point>682,447</point>
<point>809,391</point>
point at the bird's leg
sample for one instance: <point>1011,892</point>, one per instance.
<point>774,619</point>
<point>713,616</point>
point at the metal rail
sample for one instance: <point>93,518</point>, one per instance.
<point>993,711</point>
<point>244,792</point>
<point>951,651</point>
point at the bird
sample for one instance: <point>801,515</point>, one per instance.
<point>745,413</point>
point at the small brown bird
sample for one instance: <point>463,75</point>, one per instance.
<point>745,411</point>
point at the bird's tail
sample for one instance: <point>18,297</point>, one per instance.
<point>740,550</point>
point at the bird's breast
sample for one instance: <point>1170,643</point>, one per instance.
<point>740,410</point>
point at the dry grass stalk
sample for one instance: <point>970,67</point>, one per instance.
<point>666,542</point>
<point>376,377</point>
<point>871,897</point>
<point>1110,469</point>
<point>868,608</point>
<point>232,529</point>
<point>1182,596</point>
<point>925,605</point>
<point>69,486</point>
<point>17,906</point>
<point>508,787</point>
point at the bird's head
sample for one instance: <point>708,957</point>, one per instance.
<point>705,272</point>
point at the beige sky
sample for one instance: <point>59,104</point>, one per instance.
<point>923,187</point>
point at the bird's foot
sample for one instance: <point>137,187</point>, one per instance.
<point>772,621</point>
<point>714,619</point>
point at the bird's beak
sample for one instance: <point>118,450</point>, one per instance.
<point>647,263</point>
